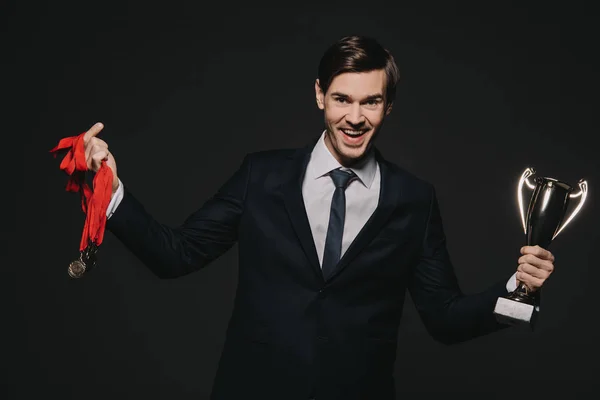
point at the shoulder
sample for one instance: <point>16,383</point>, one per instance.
<point>270,163</point>
<point>413,184</point>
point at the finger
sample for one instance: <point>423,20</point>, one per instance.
<point>100,142</point>
<point>538,262</point>
<point>95,144</point>
<point>97,158</point>
<point>534,271</point>
<point>531,281</point>
<point>93,131</point>
<point>538,252</point>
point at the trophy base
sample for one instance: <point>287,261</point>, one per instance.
<point>513,312</point>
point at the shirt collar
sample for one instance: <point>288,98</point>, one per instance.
<point>322,162</point>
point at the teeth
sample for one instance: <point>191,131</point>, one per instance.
<point>352,133</point>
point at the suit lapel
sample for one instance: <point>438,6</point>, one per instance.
<point>291,188</point>
<point>294,203</point>
<point>389,196</point>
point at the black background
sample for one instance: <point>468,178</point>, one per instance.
<point>186,89</point>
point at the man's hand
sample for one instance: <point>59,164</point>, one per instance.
<point>96,150</point>
<point>535,266</point>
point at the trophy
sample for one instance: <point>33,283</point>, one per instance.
<point>542,223</point>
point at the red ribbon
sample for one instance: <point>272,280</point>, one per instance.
<point>94,202</point>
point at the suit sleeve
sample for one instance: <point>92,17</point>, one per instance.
<point>448,314</point>
<point>207,233</point>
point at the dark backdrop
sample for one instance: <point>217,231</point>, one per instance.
<point>185,90</point>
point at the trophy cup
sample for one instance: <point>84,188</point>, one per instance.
<point>542,223</point>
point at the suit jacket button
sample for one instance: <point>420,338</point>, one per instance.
<point>322,293</point>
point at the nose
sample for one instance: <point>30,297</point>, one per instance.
<point>355,116</point>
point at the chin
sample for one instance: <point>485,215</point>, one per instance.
<point>352,155</point>
<point>352,150</point>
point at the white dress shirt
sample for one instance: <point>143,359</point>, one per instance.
<point>362,196</point>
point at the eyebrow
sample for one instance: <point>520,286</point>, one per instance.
<point>377,96</point>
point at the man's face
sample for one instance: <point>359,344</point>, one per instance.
<point>354,108</point>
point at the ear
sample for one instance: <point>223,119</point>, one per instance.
<point>319,95</point>
<point>388,109</point>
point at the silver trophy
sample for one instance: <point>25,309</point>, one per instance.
<point>542,223</point>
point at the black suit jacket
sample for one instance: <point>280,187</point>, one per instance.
<point>293,334</point>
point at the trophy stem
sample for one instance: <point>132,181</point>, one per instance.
<point>522,294</point>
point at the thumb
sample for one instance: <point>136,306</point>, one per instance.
<point>93,131</point>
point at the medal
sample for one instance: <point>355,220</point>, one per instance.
<point>85,262</point>
<point>94,201</point>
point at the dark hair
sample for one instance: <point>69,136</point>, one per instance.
<point>358,54</point>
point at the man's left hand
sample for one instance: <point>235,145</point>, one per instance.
<point>535,266</point>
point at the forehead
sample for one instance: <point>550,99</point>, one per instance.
<point>357,84</point>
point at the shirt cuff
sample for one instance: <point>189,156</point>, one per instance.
<point>511,285</point>
<point>115,200</point>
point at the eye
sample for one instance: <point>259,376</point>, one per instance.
<point>372,104</point>
<point>341,100</point>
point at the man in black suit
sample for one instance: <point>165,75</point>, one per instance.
<point>330,238</point>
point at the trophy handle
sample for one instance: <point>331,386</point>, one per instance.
<point>526,174</point>
<point>582,194</point>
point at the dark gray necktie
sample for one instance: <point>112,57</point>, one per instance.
<point>333,241</point>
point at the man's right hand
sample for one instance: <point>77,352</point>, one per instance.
<point>96,150</point>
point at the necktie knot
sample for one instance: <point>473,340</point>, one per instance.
<point>341,178</point>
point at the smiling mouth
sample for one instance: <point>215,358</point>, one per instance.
<point>354,132</point>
